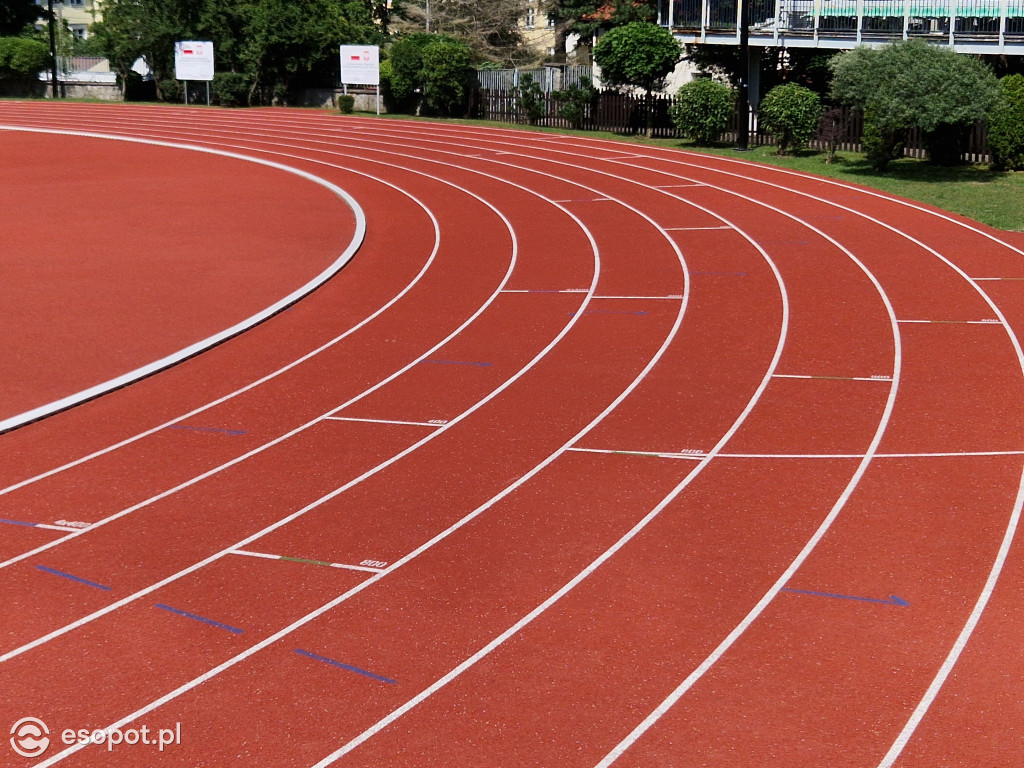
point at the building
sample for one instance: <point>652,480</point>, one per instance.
<point>78,15</point>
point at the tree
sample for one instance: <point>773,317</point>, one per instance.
<point>446,70</point>
<point>529,100</point>
<point>911,84</point>
<point>702,109</point>
<point>638,55</point>
<point>587,18</point>
<point>22,58</point>
<point>577,102</point>
<point>489,27</point>
<point>1006,125</point>
<point>16,15</point>
<point>790,113</point>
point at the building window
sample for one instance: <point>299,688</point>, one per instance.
<point>531,18</point>
<point>79,31</point>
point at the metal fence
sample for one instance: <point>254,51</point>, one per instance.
<point>549,78</point>
<point>623,113</point>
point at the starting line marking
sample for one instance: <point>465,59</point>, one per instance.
<point>435,423</point>
<point>832,378</point>
<point>231,432</point>
<point>674,296</point>
<point>692,229</point>
<point>23,524</point>
<point>348,667</point>
<point>72,577</point>
<point>196,617</point>
<point>696,455</point>
<point>456,362</point>
<point>545,290</point>
<point>368,566</point>
<point>991,321</point>
<point>893,599</point>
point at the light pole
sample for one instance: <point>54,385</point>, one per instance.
<point>743,129</point>
<point>53,47</point>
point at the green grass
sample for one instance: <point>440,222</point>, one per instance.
<point>996,199</point>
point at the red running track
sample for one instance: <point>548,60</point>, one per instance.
<point>593,454</point>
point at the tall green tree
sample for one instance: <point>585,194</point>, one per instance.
<point>638,55</point>
<point>16,15</point>
<point>911,84</point>
<point>491,28</point>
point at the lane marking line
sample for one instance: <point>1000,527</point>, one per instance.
<point>893,599</point>
<point>347,667</point>
<point>231,432</point>
<point>833,378</point>
<point>435,424</point>
<point>191,350</point>
<point>433,361</point>
<point>196,617</point>
<point>992,321</point>
<point>344,566</point>
<point>72,577</point>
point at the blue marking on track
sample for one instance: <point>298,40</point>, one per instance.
<point>195,617</point>
<point>18,522</point>
<point>350,668</point>
<point>893,599</point>
<point>72,577</point>
<point>457,362</point>
<point>209,429</point>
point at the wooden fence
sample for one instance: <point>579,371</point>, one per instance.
<point>622,113</point>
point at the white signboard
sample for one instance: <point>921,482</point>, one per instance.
<point>360,65</point>
<point>193,60</point>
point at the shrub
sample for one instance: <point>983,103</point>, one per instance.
<point>529,100</point>
<point>445,72</point>
<point>833,129</point>
<point>346,104</point>
<point>22,58</point>
<point>1006,125</point>
<point>576,102</point>
<point>702,109</point>
<point>911,84</point>
<point>790,113</point>
<point>881,145</point>
<point>230,89</point>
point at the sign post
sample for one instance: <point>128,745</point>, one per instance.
<point>193,60</point>
<point>360,65</point>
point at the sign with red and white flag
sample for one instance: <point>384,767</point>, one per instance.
<point>360,65</point>
<point>193,60</point>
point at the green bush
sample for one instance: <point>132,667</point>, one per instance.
<point>790,113</point>
<point>702,109</point>
<point>346,104</point>
<point>912,84</point>
<point>576,102</point>
<point>882,145</point>
<point>1006,125</point>
<point>529,100</point>
<point>22,58</point>
<point>446,70</point>
<point>230,89</point>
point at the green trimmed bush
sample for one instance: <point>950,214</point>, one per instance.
<point>1006,125</point>
<point>790,113</point>
<point>230,89</point>
<point>576,102</point>
<point>22,58</point>
<point>529,100</point>
<point>346,104</point>
<point>702,109</point>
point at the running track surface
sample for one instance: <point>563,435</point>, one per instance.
<point>593,454</point>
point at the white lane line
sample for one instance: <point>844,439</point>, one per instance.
<point>191,350</point>
<point>675,296</point>
<point>999,562</point>
<point>695,456</point>
<point>410,556</point>
<point>289,518</point>
<point>438,423</point>
<point>605,556</point>
<point>263,379</point>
